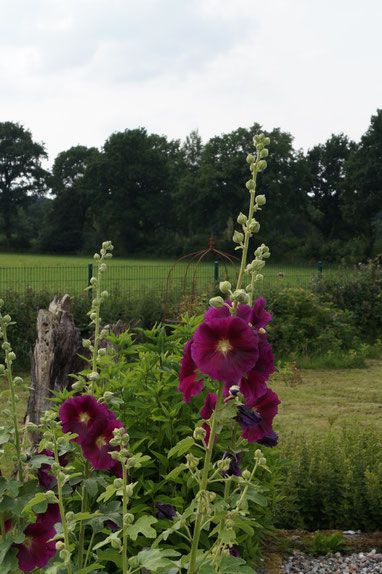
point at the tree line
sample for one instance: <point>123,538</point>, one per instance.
<point>159,197</point>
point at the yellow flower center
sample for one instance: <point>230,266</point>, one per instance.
<point>224,346</point>
<point>28,541</point>
<point>101,441</point>
<point>84,418</point>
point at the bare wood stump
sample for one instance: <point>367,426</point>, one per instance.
<point>55,355</point>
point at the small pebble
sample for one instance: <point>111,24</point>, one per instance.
<point>360,563</point>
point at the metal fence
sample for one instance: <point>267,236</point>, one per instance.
<point>135,279</point>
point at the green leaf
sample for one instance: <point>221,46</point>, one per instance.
<point>257,498</point>
<point>39,459</point>
<point>107,494</point>
<point>91,486</point>
<point>173,475</point>
<point>37,499</point>
<point>156,558</point>
<point>181,447</point>
<point>110,555</point>
<point>90,568</point>
<point>142,526</point>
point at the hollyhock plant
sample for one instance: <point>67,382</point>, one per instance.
<point>256,421</point>
<point>78,414</point>
<point>225,349</point>
<point>190,378</point>
<point>258,316</point>
<point>96,446</point>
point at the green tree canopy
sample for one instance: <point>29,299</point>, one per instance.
<point>21,173</point>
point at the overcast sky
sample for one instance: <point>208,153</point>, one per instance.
<point>75,71</point>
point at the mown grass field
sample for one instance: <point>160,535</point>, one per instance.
<point>59,274</point>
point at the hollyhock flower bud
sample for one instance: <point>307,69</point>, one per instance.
<point>264,153</point>
<point>246,474</point>
<point>238,237</point>
<point>261,200</point>
<point>60,545</point>
<point>216,302</point>
<point>7,319</point>
<point>267,141</point>
<point>250,185</point>
<point>241,296</point>
<point>262,165</point>
<point>254,226</point>
<point>225,286</point>
<point>250,158</point>
<point>260,146</point>
<point>199,433</point>
<point>241,219</point>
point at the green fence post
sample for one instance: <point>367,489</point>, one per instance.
<point>90,275</point>
<point>216,270</point>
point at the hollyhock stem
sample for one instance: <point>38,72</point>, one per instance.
<point>247,232</point>
<point>124,511</point>
<point>61,504</point>
<point>84,508</point>
<point>204,480</point>
<point>8,360</point>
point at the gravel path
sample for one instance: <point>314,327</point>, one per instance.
<point>359,563</point>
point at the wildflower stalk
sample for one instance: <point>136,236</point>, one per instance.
<point>204,481</point>
<point>84,508</point>
<point>247,232</point>
<point>9,358</point>
<point>124,511</point>
<point>61,506</point>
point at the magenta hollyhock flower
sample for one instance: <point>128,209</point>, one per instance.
<point>265,364</point>
<point>256,421</point>
<point>258,316</point>
<point>234,468</point>
<point>78,414</point>
<point>38,548</point>
<point>270,439</point>
<point>252,387</point>
<point>191,381</point>
<point>96,447</point>
<point>225,349</point>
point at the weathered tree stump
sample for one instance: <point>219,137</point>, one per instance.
<point>55,355</point>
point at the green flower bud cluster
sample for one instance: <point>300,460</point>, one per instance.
<point>262,252</point>
<point>216,302</point>
<point>199,433</point>
<point>192,461</point>
<point>204,498</point>
<point>241,296</point>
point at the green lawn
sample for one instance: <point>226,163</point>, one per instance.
<point>59,274</point>
<point>330,397</point>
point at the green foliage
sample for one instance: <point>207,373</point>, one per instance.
<point>326,543</point>
<point>332,481</point>
<point>303,324</point>
<point>362,293</point>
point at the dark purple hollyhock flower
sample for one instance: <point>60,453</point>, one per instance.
<point>190,378</point>
<point>265,364</point>
<point>225,349</point>
<point>112,525</point>
<point>233,552</point>
<point>165,510</point>
<point>259,317</point>
<point>45,479</point>
<point>209,406</point>
<point>256,421</point>
<point>96,447</point>
<point>269,439</point>
<point>78,414</point>
<point>252,387</point>
<point>37,548</point>
<point>234,468</point>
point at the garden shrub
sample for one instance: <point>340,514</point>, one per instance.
<point>331,481</point>
<point>361,294</point>
<point>303,324</point>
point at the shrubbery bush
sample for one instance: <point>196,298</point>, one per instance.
<point>331,481</point>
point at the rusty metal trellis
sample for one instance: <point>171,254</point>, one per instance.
<point>196,257</point>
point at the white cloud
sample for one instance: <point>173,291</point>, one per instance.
<point>74,71</point>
